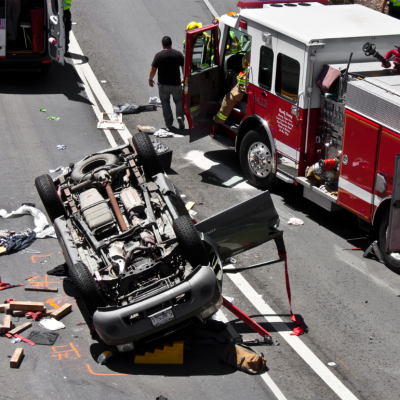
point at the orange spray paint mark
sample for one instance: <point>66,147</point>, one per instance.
<point>52,303</point>
<point>94,373</point>
<point>33,257</point>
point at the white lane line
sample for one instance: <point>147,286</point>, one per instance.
<point>267,379</point>
<point>294,341</point>
<point>95,107</point>
<point>94,83</point>
<point>211,8</point>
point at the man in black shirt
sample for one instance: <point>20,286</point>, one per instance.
<point>167,62</point>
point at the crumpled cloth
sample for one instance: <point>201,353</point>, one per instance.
<point>14,242</point>
<point>43,228</point>
<point>165,133</point>
<point>155,100</point>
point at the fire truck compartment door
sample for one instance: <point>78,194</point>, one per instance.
<point>358,165</point>
<point>56,29</point>
<point>393,232</point>
<point>289,87</point>
<point>200,92</point>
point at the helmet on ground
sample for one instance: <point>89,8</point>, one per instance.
<point>194,25</point>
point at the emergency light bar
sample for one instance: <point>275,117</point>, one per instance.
<point>260,3</point>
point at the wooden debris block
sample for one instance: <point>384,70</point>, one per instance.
<point>41,289</point>
<point>6,324</point>
<point>20,328</point>
<point>16,358</point>
<point>9,311</point>
<point>19,313</point>
<point>4,307</point>
<point>60,312</point>
<point>26,306</point>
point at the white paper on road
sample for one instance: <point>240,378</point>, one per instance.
<point>51,324</point>
<point>295,221</point>
<point>43,228</point>
<point>165,133</point>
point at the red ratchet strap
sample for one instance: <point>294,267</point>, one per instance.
<point>10,299</point>
<point>299,330</point>
<point>4,285</point>
<point>245,318</point>
<point>35,315</point>
<point>24,339</point>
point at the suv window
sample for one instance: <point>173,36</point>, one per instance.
<point>265,71</point>
<point>287,78</point>
<point>203,51</point>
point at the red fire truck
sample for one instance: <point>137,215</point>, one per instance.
<point>320,110</point>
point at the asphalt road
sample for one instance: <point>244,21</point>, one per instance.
<point>349,305</point>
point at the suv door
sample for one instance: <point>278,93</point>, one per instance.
<point>200,92</point>
<point>56,29</point>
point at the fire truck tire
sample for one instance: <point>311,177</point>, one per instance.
<point>256,159</point>
<point>391,262</point>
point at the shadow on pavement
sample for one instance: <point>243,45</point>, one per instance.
<point>59,80</point>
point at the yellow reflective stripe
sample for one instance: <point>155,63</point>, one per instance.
<point>195,108</point>
<point>221,116</point>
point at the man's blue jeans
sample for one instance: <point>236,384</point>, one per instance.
<point>166,91</point>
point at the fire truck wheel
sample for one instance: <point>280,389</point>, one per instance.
<point>392,260</point>
<point>256,160</point>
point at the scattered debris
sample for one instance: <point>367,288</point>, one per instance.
<point>30,251</point>
<point>6,325</point>
<point>189,205</point>
<point>146,129</point>
<point>111,123</point>
<point>155,100</point>
<point>41,289</point>
<point>51,324</point>
<point>183,196</point>
<point>13,242</point>
<point>192,213</point>
<point>81,323</point>
<point>103,81</point>
<point>60,270</point>
<point>61,147</point>
<point>332,364</point>
<point>60,312</point>
<point>53,118</point>
<point>103,357</point>
<point>60,168</point>
<point>27,306</point>
<point>244,359</point>
<point>133,108</point>
<point>232,260</point>
<point>165,133</point>
<point>20,328</point>
<point>41,109</point>
<point>4,285</point>
<point>17,357</point>
<point>43,338</point>
<point>295,221</point>
<point>373,250</point>
<point>15,340</point>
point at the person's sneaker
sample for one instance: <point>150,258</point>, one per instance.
<point>181,123</point>
<point>169,127</point>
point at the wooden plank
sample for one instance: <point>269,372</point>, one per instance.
<point>60,312</point>
<point>20,328</point>
<point>4,307</point>
<point>41,289</point>
<point>26,305</point>
<point>6,324</point>
<point>16,358</point>
<point>19,313</point>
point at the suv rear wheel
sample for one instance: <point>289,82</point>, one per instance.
<point>194,249</point>
<point>87,287</point>
<point>147,156</point>
<point>256,159</point>
<point>48,194</point>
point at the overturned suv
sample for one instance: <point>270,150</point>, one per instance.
<point>144,271</point>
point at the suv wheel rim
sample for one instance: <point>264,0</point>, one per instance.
<point>259,159</point>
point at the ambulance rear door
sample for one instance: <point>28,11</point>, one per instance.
<point>56,30</point>
<point>202,71</point>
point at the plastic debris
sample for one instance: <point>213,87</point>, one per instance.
<point>232,260</point>
<point>192,213</point>
<point>41,109</point>
<point>159,147</point>
<point>155,100</point>
<point>295,221</point>
<point>183,196</point>
<point>30,251</point>
<point>165,133</point>
<point>103,81</point>
<point>51,324</point>
<point>53,118</point>
<point>103,357</point>
<point>60,168</point>
<point>61,146</point>
<point>73,23</point>
<point>332,364</point>
<point>15,340</point>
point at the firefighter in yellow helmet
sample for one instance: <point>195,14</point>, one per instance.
<point>192,25</point>
<point>235,95</point>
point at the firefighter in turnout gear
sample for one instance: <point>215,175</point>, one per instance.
<point>67,22</point>
<point>394,8</point>
<point>235,95</point>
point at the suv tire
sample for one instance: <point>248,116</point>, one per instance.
<point>193,246</point>
<point>147,156</point>
<point>48,194</point>
<point>260,175</point>
<point>82,169</point>
<point>87,287</point>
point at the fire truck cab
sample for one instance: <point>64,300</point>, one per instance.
<point>318,111</point>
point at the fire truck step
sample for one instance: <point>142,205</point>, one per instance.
<point>224,141</point>
<point>233,126</point>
